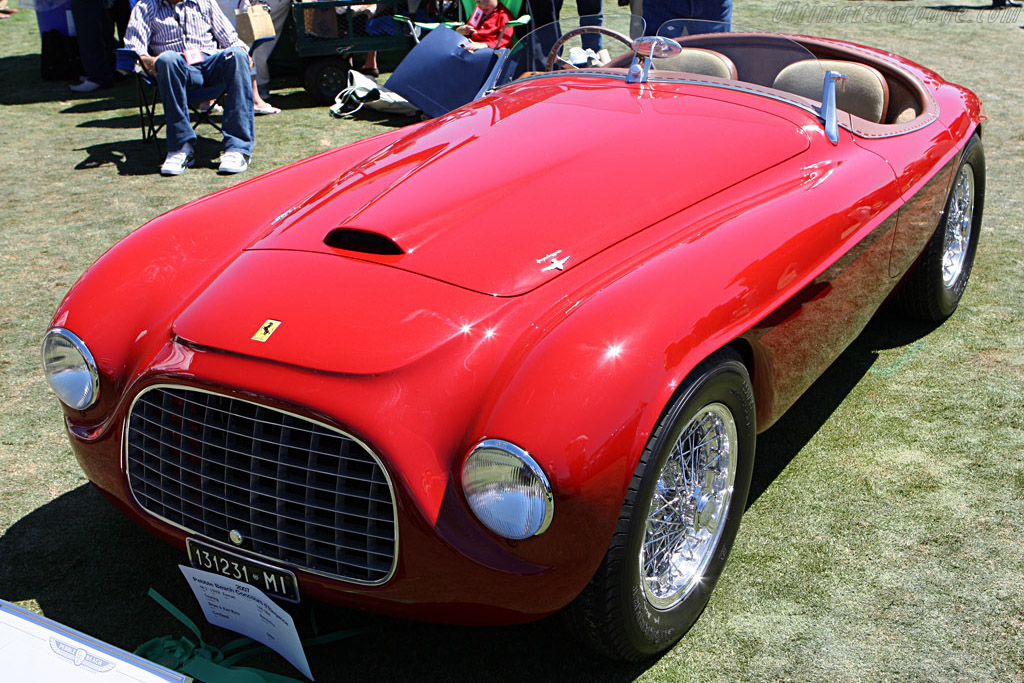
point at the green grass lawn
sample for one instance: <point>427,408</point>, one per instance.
<point>883,537</point>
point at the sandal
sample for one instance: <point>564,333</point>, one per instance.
<point>265,109</point>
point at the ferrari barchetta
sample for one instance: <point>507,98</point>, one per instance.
<point>512,361</point>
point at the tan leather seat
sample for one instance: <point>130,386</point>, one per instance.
<point>697,60</point>
<point>865,92</point>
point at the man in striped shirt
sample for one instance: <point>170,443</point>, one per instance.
<point>190,44</point>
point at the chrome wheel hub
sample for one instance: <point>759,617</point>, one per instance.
<point>958,226</point>
<point>688,508</point>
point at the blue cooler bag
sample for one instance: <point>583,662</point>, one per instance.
<point>437,75</point>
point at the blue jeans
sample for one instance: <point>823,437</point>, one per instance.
<point>657,12</point>
<point>228,69</point>
<point>591,9</point>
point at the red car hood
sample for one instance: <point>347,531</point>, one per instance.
<point>475,199</point>
<point>340,315</point>
<point>478,198</point>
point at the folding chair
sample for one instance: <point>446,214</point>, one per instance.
<point>149,95</point>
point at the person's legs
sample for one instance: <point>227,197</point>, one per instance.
<point>95,40</point>
<point>231,68</point>
<point>657,12</point>
<point>120,14</point>
<point>591,9</point>
<point>260,105</point>
<point>719,11</point>
<point>544,12</point>
<point>369,66</point>
<point>278,15</point>
<point>174,77</point>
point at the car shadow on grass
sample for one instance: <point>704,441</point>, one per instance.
<point>83,563</point>
<point>777,446</point>
<point>88,567</point>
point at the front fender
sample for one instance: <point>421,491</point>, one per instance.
<point>123,306</point>
<point>596,374</point>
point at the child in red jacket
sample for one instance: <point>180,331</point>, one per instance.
<point>486,28</point>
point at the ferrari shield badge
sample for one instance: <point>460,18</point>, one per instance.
<point>265,330</point>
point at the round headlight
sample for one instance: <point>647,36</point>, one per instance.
<point>70,369</point>
<point>507,490</point>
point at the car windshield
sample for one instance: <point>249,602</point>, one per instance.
<point>714,53</point>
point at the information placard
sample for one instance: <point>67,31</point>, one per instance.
<point>34,648</point>
<point>247,610</point>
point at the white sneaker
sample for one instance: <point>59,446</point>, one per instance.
<point>177,162</point>
<point>233,162</point>
<point>85,86</point>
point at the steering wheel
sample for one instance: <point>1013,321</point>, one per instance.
<point>553,54</point>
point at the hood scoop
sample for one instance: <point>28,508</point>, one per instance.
<point>499,198</point>
<point>362,242</point>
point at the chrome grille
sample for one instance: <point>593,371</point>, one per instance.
<point>298,492</point>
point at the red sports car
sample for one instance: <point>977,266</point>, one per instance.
<point>512,361</point>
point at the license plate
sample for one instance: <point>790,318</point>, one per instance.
<point>274,581</point>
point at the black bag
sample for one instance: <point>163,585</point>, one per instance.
<point>60,58</point>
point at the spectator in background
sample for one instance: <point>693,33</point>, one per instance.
<point>96,44</point>
<point>657,12</point>
<point>487,26</point>
<point>259,104</point>
<point>190,44</point>
<point>278,15</point>
<point>543,14</point>
<point>590,12</point>
<point>120,12</point>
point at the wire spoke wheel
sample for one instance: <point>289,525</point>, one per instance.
<point>690,498</point>
<point>935,284</point>
<point>958,226</point>
<point>679,519</point>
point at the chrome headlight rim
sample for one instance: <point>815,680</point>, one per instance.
<point>87,358</point>
<point>531,465</point>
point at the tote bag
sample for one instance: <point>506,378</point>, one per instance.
<point>253,22</point>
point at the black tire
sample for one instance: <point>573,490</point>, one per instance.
<point>933,289</point>
<point>616,613</point>
<point>324,78</point>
